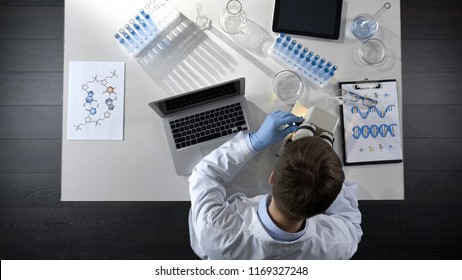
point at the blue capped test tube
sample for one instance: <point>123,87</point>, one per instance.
<point>283,46</point>
<point>325,71</point>
<point>330,74</point>
<point>313,63</point>
<point>123,42</point>
<point>299,47</point>
<point>294,54</point>
<point>144,25</point>
<point>129,39</point>
<point>291,47</point>
<point>278,43</point>
<point>319,66</point>
<point>287,40</point>
<point>307,59</point>
<point>300,58</point>
<point>134,34</point>
<point>139,29</point>
<point>148,19</point>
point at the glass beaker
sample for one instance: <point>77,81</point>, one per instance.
<point>202,21</point>
<point>364,26</point>
<point>233,17</point>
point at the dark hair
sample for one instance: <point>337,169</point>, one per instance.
<point>307,178</point>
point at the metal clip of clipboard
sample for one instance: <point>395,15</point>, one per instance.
<point>359,87</point>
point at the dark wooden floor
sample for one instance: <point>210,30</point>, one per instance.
<point>34,224</point>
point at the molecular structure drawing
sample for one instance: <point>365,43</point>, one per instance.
<point>97,90</point>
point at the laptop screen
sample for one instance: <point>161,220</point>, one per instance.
<point>199,97</point>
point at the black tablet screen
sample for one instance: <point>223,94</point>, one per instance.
<point>318,18</point>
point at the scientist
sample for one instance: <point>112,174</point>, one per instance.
<point>312,212</point>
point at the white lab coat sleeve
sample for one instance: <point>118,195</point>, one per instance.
<point>206,183</point>
<point>345,210</point>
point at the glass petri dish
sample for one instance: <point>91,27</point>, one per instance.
<point>288,86</point>
<point>373,52</point>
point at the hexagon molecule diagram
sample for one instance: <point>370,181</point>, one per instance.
<point>97,90</point>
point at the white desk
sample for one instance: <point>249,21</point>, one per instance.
<point>140,168</point>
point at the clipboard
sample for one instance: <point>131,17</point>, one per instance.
<point>371,134</point>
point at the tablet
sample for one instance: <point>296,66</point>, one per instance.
<point>316,18</point>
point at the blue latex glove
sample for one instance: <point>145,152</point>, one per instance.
<point>270,131</point>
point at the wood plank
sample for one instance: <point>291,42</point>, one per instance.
<point>431,55</point>
<point>379,221</point>
<point>432,230</point>
<point>31,190</point>
<point>31,55</point>
<point>32,3</point>
<point>434,23</point>
<point>19,155</point>
<point>131,232</point>
<point>31,88</point>
<point>431,4</point>
<point>30,122</point>
<point>32,22</point>
<point>410,248</point>
<point>377,249</point>
<point>432,186</point>
<point>35,232</point>
<point>433,221</point>
<point>432,154</point>
<point>432,88</point>
<point>432,121</point>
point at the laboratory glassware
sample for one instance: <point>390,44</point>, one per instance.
<point>233,17</point>
<point>364,26</point>
<point>288,86</point>
<point>202,21</point>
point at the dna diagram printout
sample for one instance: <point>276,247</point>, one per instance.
<point>96,100</point>
<point>372,134</point>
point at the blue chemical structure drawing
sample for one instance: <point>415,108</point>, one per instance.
<point>365,114</point>
<point>97,90</point>
<point>365,131</point>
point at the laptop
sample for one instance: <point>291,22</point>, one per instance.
<point>199,121</point>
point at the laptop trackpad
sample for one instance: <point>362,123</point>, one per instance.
<point>209,148</point>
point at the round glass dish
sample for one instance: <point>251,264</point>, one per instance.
<point>288,86</point>
<point>373,52</point>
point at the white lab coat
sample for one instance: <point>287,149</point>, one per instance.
<point>230,228</point>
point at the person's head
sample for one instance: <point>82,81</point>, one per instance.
<point>307,178</point>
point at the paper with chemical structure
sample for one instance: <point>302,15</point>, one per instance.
<point>96,100</point>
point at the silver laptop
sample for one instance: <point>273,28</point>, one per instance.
<point>199,121</point>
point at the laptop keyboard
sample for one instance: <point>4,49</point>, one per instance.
<point>208,125</point>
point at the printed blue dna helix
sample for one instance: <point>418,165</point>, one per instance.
<point>373,130</point>
<point>365,114</point>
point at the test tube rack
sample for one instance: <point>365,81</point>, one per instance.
<point>302,60</point>
<point>147,26</point>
